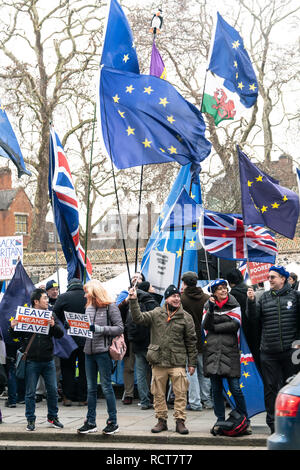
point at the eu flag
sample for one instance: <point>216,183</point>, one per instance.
<point>230,60</point>
<point>145,120</point>
<point>118,50</point>
<point>250,382</point>
<point>17,293</point>
<point>264,201</point>
<point>9,146</point>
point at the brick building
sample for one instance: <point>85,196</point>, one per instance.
<point>16,210</point>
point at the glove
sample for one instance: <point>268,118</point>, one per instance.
<point>97,329</point>
<point>66,325</point>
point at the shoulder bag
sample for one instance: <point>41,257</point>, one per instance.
<point>21,359</point>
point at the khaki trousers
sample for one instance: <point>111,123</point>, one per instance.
<point>180,383</point>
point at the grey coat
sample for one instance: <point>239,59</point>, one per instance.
<point>110,319</point>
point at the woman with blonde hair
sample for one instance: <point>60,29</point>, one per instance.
<point>106,323</point>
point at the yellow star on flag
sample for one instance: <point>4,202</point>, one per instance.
<point>241,85</point>
<point>275,205</point>
<point>116,98</point>
<point>192,243</point>
<point>246,374</point>
<point>147,143</point>
<point>172,149</point>
<point>162,150</point>
<point>236,44</point>
<point>250,183</point>
<point>129,89</point>
<point>121,113</point>
<point>171,119</point>
<point>125,58</point>
<point>179,253</point>
<point>148,90</point>
<point>285,198</point>
<point>2,107</point>
<point>259,178</point>
<point>264,209</point>
<point>242,385</point>
<point>235,64</point>
<point>130,131</point>
<point>252,87</point>
<point>11,319</point>
<point>229,393</point>
<point>163,101</point>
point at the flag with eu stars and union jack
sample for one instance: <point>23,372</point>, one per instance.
<point>65,209</point>
<point>145,121</point>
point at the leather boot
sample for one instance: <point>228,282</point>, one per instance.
<point>180,427</point>
<point>160,426</point>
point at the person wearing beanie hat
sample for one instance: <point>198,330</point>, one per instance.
<point>52,289</point>
<point>276,317</point>
<point>173,345</point>
<point>193,299</point>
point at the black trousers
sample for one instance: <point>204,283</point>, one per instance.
<point>73,388</point>
<point>276,369</point>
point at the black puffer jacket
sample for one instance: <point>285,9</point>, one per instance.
<point>278,313</point>
<point>221,355</point>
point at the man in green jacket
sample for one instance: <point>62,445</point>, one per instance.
<point>172,346</point>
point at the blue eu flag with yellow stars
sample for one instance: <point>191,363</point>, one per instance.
<point>264,201</point>
<point>145,121</point>
<point>118,49</point>
<point>9,146</point>
<point>230,60</point>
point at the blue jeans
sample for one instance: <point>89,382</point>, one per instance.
<point>101,363</point>
<point>143,377</point>
<point>218,398</point>
<point>32,373</point>
<point>200,386</point>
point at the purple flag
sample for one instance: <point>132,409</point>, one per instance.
<point>157,67</point>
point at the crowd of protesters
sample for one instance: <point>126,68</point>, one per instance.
<point>181,346</point>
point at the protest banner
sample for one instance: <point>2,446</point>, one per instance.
<point>79,324</point>
<point>258,272</point>
<point>161,270</point>
<point>33,320</point>
<point>11,251</point>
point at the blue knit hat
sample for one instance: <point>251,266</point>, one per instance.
<point>214,284</point>
<point>121,297</point>
<point>280,270</point>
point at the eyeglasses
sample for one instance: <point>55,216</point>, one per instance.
<point>273,277</point>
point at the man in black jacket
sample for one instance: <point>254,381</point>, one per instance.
<point>278,313</point>
<point>73,390</point>
<point>40,362</point>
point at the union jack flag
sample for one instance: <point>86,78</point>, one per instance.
<point>65,209</point>
<point>226,236</point>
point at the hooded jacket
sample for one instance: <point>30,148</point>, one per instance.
<point>172,343</point>
<point>278,314</point>
<point>221,354</point>
<point>193,299</point>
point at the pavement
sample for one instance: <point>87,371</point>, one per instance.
<point>135,429</point>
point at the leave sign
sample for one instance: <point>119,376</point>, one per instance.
<point>33,320</point>
<point>79,324</point>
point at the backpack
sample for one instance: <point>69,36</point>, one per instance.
<point>235,425</point>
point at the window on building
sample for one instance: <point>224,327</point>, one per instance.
<point>51,238</point>
<point>21,224</point>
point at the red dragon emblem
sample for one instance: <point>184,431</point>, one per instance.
<point>225,109</point>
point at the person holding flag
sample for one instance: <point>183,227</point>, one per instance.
<point>221,355</point>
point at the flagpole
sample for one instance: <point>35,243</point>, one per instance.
<point>88,198</point>
<point>139,220</point>
<point>183,241</point>
<point>53,211</point>
<point>116,192</point>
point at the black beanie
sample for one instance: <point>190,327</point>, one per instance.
<point>171,290</point>
<point>144,286</point>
